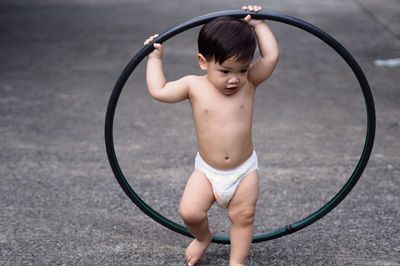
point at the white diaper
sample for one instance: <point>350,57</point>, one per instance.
<point>225,182</point>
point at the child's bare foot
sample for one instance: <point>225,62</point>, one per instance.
<point>236,264</point>
<point>196,249</point>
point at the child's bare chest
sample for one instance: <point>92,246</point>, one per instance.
<point>222,110</point>
<point>226,112</point>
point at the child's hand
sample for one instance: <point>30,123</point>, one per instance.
<point>158,51</point>
<point>252,22</point>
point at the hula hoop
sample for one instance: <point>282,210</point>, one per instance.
<point>279,232</point>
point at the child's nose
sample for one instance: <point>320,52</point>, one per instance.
<point>233,80</point>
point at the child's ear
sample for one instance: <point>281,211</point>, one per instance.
<point>202,61</point>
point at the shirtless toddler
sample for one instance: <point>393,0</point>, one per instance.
<point>222,105</point>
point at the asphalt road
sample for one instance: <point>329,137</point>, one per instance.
<point>59,201</point>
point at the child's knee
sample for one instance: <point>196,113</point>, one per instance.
<point>242,216</point>
<point>191,215</point>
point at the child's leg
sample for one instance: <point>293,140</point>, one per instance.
<point>241,211</point>
<point>196,201</point>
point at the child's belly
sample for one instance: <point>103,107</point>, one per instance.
<point>226,151</point>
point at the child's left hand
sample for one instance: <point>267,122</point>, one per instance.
<point>252,22</point>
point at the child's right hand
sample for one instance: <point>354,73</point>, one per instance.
<point>158,51</point>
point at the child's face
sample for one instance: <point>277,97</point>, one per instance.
<point>228,77</point>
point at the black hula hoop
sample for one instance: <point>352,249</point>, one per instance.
<point>291,228</point>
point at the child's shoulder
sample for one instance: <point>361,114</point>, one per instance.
<point>193,80</point>
<point>194,84</point>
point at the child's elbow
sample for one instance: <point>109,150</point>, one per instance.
<point>274,57</point>
<point>157,95</point>
<point>271,60</point>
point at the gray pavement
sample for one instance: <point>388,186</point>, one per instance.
<point>59,201</point>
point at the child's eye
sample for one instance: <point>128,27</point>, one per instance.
<point>243,71</point>
<point>224,71</point>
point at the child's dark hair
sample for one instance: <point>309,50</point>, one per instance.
<point>227,37</point>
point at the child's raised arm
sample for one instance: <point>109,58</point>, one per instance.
<point>263,67</point>
<point>159,88</point>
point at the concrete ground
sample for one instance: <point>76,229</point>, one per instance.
<point>59,201</point>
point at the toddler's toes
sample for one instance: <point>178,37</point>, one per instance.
<point>190,261</point>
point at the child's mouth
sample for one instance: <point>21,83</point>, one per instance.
<point>232,87</point>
